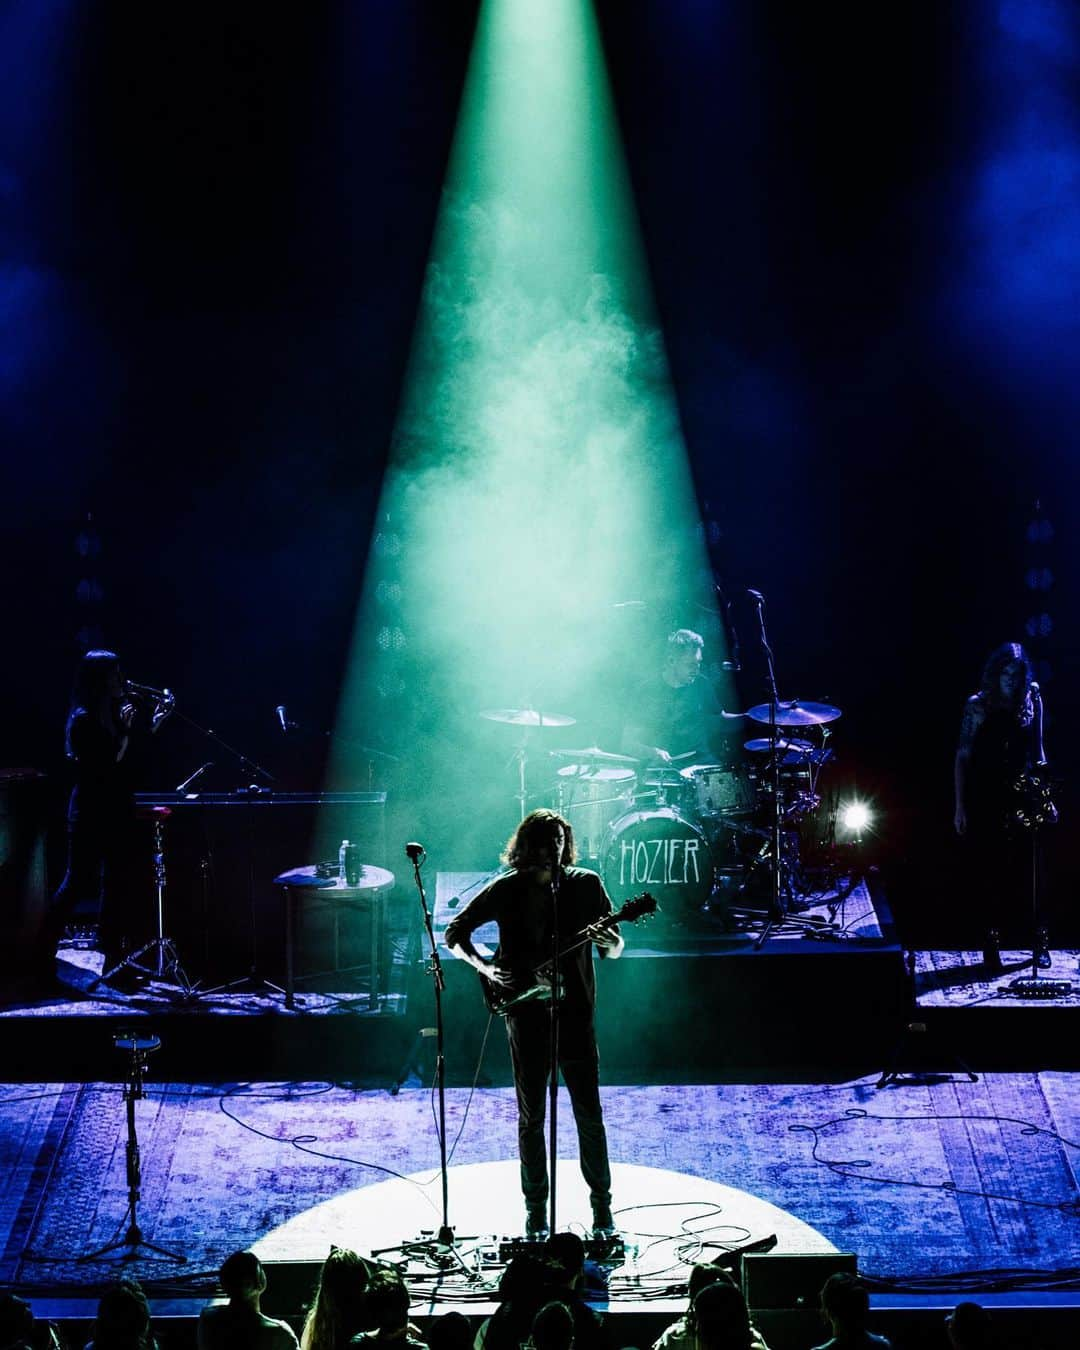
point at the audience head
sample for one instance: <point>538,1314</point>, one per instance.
<point>339,1309</point>
<point>526,1277</point>
<point>568,1251</point>
<point>123,1318</point>
<point>553,1328</point>
<point>721,1318</point>
<point>451,1331</point>
<point>845,1303</point>
<point>242,1275</point>
<point>968,1326</point>
<point>387,1301</point>
<point>702,1275</point>
<point>16,1320</point>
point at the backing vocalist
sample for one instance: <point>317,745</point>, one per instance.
<point>102,842</point>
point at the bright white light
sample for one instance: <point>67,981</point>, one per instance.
<point>856,817</point>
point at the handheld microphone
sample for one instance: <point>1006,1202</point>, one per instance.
<point>283,721</point>
<point>414,851</point>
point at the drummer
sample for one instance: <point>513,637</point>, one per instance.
<point>675,717</point>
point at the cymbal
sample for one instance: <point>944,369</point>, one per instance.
<point>594,754</point>
<point>762,745</point>
<point>527,717</point>
<point>792,713</point>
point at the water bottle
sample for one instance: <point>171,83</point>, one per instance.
<point>349,866</point>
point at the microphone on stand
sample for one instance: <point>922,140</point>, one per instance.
<point>183,787</point>
<point>414,852</point>
<point>756,596</point>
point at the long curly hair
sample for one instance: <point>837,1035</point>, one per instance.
<point>339,1309</point>
<point>530,844</point>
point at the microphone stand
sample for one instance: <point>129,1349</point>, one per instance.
<point>212,735</point>
<point>553,1049</point>
<point>444,1249</point>
<point>776,908</point>
<point>253,982</point>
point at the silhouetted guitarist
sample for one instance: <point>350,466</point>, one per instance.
<point>520,903</point>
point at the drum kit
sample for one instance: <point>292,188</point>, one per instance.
<point>678,828</point>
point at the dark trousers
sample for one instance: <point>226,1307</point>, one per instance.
<point>528,1033</point>
<point>103,867</point>
<point>999,876</point>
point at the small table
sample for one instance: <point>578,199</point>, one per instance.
<point>373,889</point>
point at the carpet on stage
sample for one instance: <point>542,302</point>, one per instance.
<point>919,1179</point>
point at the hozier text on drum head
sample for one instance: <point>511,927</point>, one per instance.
<point>659,862</point>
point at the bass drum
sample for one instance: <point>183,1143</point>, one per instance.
<point>663,853</point>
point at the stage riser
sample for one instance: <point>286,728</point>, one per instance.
<point>659,1019</point>
<point>692,1015</point>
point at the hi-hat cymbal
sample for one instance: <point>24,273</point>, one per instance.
<point>793,713</point>
<point>594,755</point>
<point>527,717</point>
<point>762,745</point>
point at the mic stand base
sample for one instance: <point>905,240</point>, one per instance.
<point>441,1249</point>
<point>133,1246</point>
<point>251,983</point>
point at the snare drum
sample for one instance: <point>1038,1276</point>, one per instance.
<point>660,852</point>
<point>590,797</point>
<point>667,787</point>
<point>720,789</point>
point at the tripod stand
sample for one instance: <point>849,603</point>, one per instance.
<point>780,864</point>
<point>164,963</point>
<point>133,1244</point>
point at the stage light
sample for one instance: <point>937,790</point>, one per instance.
<point>537,474</point>
<point>855,817</point>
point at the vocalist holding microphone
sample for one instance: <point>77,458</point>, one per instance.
<point>106,713</point>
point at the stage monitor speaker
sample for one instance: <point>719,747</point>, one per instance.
<point>790,1280</point>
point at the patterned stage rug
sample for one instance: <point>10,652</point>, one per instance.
<point>956,979</point>
<point>917,1180</point>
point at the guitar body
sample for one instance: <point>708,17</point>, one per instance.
<point>534,985</point>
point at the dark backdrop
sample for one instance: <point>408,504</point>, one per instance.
<point>215,224</point>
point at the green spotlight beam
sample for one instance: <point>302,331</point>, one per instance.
<point>538,477</point>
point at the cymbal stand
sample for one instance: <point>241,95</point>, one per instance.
<point>779,872</point>
<point>520,757</point>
